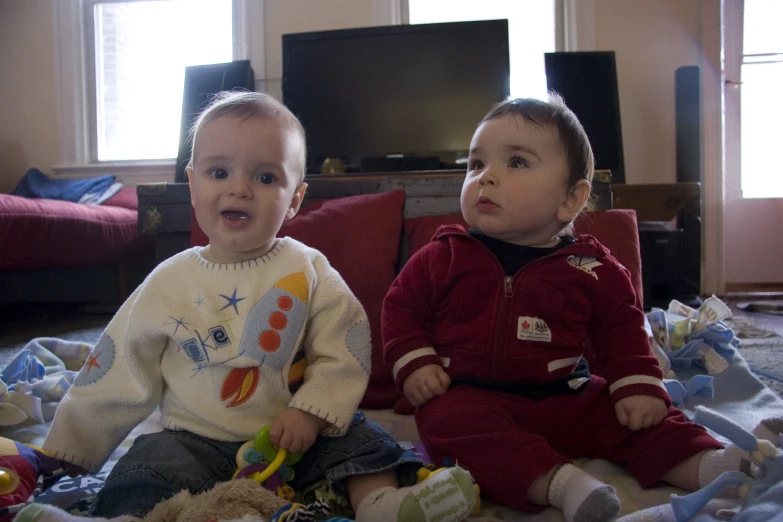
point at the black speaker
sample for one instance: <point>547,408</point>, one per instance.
<point>691,252</point>
<point>587,80</point>
<point>687,117</point>
<point>202,81</point>
<point>688,137</point>
<point>661,252</point>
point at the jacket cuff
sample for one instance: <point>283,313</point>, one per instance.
<point>639,385</point>
<point>411,362</point>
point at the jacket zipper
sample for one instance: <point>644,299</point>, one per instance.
<point>508,293</point>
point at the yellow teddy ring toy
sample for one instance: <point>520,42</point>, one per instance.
<point>259,460</point>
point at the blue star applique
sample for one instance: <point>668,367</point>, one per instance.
<point>179,322</point>
<point>232,301</point>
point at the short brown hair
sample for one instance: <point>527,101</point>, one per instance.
<point>554,112</point>
<point>246,105</point>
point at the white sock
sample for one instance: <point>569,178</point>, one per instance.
<point>582,497</point>
<point>733,458</point>
<point>46,513</point>
<point>716,462</point>
<point>447,495</point>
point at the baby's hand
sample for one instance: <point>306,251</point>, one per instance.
<point>295,430</point>
<point>426,383</point>
<point>640,411</point>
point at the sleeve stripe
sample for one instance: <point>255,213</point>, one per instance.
<point>636,379</point>
<point>562,363</point>
<point>408,357</point>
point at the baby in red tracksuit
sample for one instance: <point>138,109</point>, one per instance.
<point>487,330</point>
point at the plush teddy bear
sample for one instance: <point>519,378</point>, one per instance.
<point>226,501</point>
<point>236,499</point>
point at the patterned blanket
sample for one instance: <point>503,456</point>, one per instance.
<point>736,394</point>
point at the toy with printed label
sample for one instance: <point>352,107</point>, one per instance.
<point>425,472</point>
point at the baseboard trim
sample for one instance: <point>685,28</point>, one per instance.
<point>767,290</point>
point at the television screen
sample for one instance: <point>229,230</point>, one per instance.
<point>588,82</point>
<point>409,90</point>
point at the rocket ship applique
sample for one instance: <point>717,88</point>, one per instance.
<point>271,330</point>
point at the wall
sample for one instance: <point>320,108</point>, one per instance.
<point>651,39</point>
<point>28,95</point>
<point>28,98</point>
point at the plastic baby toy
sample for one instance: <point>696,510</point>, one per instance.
<point>258,459</point>
<point>25,471</point>
<point>425,472</point>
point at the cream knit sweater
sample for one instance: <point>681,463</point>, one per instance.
<point>222,349</point>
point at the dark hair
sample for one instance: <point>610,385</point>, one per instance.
<point>245,105</point>
<point>555,113</point>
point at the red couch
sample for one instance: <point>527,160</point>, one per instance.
<point>361,237</point>
<point>48,233</point>
<point>64,252</point>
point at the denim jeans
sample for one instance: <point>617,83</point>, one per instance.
<point>159,465</point>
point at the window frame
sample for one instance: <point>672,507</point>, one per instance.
<point>734,19</point>
<point>567,14</point>
<point>748,60</point>
<point>75,74</point>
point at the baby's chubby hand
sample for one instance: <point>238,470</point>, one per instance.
<point>295,430</point>
<point>640,411</point>
<point>426,383</point>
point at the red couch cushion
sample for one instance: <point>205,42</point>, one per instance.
<point>360,236</point>
<point>618,231</point>
<point>48,233</point>
<point>615,229</point>
<point>126,197</point>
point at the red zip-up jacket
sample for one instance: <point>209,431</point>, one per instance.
<point>453,305</point>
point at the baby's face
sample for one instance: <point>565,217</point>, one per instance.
<point>245,181</point>
<point>516,182</point>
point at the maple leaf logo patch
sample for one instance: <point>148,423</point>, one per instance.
<point>585,264</point>
<point>533,329</point>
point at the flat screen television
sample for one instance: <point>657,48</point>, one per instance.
<point>408,91</point>
<point>587,80</point>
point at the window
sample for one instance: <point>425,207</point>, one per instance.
<point>761,100</point>
<point>136,54</point>
<point>532,31</point>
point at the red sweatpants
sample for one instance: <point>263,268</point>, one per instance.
<point>506,441</point>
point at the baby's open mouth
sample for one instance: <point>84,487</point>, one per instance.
<point>234,215</point>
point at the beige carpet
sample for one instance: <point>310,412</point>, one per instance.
<point>762,349</point>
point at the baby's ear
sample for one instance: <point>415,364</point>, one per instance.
<point>296,201</point>
<point>574,201</point>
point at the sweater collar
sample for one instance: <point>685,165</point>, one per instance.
<point>279,246</point>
